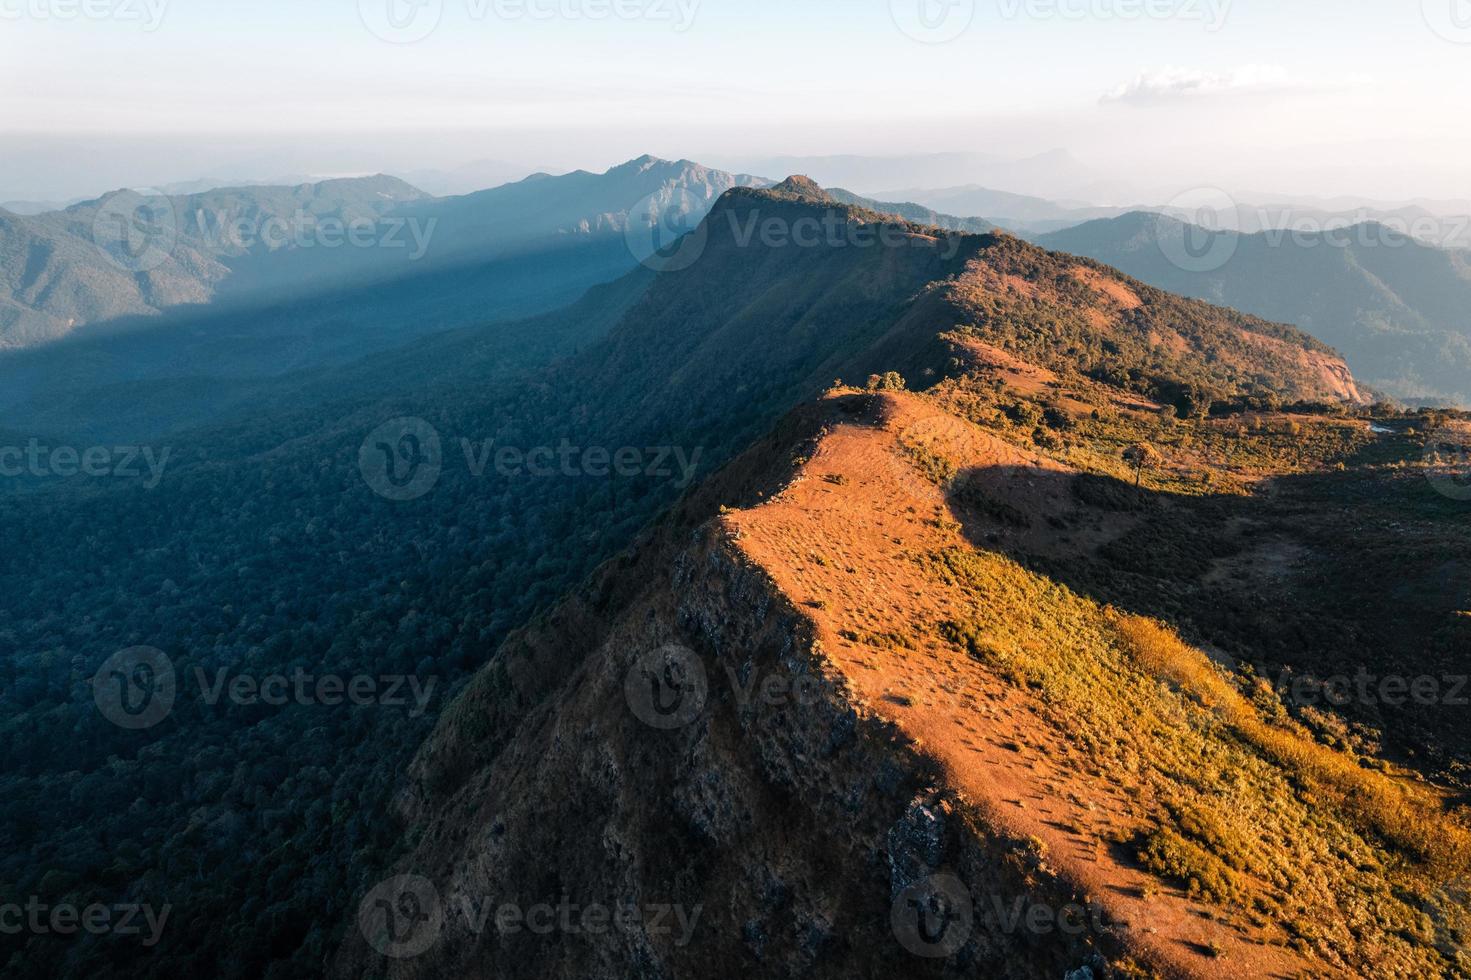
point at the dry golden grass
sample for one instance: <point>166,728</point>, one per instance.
<point>1411,816</point>
<point>1289,838</point>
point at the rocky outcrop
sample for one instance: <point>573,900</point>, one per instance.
<point>1329,371</point>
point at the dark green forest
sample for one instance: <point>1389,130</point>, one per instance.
<point>264,551</point>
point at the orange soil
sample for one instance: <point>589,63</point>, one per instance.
<point>1025,377</point>
<point>1330,370</point>
<point>1112,288</point>
<point>1029,379</point>
<point>1170,339</point>
<point>981,278</point>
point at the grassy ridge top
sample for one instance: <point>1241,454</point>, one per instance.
<point>1225,828</point>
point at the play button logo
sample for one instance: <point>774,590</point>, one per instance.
<point>1451,19</point>
<point>401,21</point>
<point>933,21</point>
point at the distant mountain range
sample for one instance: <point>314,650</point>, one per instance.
<point>1017,212</point>
<point>1398,309</point>
<point>63,270</point>
<point>126,255</point>
<point>1436,223</point>
<point>1444,228</point>
<point>36,207</point>
<point>467,178</point>
<point>197,337</point>
<point>205,332</point>
<point>917,213</point>
<point>545,208</point>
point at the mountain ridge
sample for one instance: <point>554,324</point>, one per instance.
<point>58,279</point>
<point>1394,305</point>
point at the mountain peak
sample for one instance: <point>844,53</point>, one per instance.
<point>640,164</point>
<point>803,187</point>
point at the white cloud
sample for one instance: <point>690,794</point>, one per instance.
<point>1173,84</point>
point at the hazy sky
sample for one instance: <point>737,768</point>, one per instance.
<point>1362,97</point>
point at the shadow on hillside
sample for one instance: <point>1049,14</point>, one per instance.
<point>133,377</point>
<point>1336,576</point>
